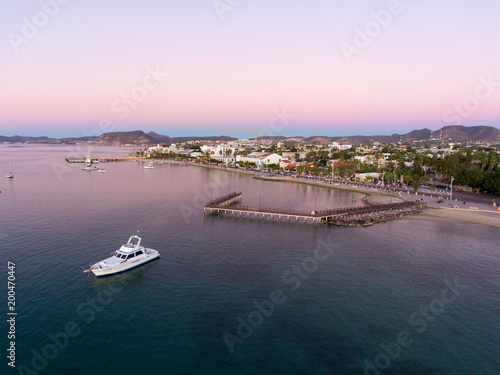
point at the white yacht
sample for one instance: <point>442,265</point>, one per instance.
<point>149,166</point>
<point>130,255</point>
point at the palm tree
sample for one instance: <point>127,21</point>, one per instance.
<point>492,160</point>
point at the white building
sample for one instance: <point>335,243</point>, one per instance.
<point>340,146</point>
<point>364,176</point>
<point>260,158</point>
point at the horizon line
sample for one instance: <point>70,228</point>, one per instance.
<point>240,137</point>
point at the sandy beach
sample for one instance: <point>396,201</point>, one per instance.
<point>451,215</point>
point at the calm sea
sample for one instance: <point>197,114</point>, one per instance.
<point>232,296</point>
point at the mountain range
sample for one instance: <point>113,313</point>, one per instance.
<point>139,138</point>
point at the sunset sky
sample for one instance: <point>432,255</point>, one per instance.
<point>205,67</point>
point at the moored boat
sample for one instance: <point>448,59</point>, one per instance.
<point>10,174</point>
<point>89,166</point>
<point>130,255</point>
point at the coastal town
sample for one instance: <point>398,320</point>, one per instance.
<point>433,163</point>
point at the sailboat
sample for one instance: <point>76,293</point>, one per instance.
<point>10,174</point>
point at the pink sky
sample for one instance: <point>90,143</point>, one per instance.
<point>229,76</point>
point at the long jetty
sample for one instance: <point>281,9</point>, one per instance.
<point>106,159</point>
<point>223,206</point>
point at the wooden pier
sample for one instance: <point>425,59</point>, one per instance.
<point>223,206</point>
<point>225,200</point>
<point>106,159</point>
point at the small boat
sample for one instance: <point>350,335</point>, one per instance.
<point>101,170</point>
<point>149,166</point>
<point>130,255</point>
<point>89,166</point>
<point>10,174</point>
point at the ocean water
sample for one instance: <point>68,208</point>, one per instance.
<point>232,296</point>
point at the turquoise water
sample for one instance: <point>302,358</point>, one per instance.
<point>314,300</point>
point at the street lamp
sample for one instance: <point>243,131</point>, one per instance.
<point>451,189</point>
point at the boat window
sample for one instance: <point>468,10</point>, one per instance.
<point>138,253</point>
<point>124,256</point>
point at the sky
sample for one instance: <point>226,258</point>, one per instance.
<point>247,67</point>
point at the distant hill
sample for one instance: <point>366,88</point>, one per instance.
<point>138,137</point>
<point>222,138</point>
<point>19,138</point>
<point>452,132</point>
<point>273,138</point>
<point>474,133</point>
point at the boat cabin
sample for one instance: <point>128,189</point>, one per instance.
<point>120,255</point>
<point>131,249</point>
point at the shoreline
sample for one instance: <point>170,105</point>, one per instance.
<point>439,215</point>
<point>371,197</point>
<point>458,216</point>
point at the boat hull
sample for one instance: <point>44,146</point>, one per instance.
<point>125,266</point>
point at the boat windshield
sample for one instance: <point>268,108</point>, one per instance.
<point>133,242</point>
<point>128,256</point>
